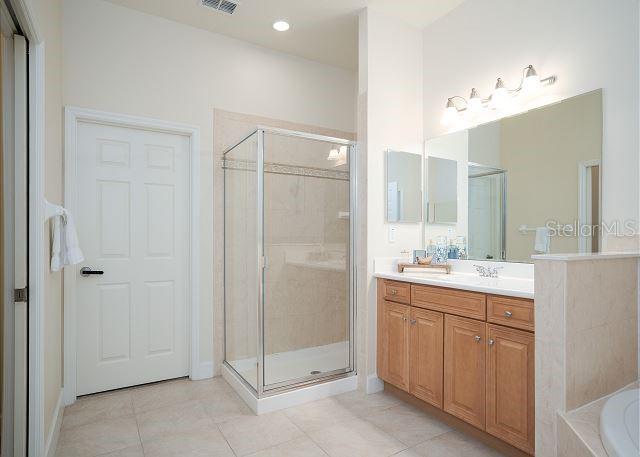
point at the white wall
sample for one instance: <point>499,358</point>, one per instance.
<point>124,61</point>
<point>588,44</point>
<point>390,98</point>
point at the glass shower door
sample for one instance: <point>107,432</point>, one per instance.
<point>241,263</point>
<point>307,308</point>
<point>487,217</point>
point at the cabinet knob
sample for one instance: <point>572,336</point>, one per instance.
<point>414,322</point>
<point>508,314</point>
<point>491,342</point>
<point>394,291</point>
<point>477,338</point>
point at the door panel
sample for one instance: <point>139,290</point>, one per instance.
<point>396,344</point>
<point>133,223</point>
<point>426,355</point>
<point>510,386</point>
<point>464,369</point>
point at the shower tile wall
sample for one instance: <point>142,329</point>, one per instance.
<point>305,305</point>
<point>306,245</point>
<point>229,128</point>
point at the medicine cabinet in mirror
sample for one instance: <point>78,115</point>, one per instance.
<point>442,191</point>
<point>531,183</point>
<point>404,187</point>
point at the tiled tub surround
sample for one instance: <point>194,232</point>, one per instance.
<point>579,430</point>
<point>462,347</point>
<point>586,336</point>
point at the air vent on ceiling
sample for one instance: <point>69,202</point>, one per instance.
<point>224,6</point>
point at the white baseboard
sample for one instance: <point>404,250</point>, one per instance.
<point>374,384</point>
<point>203,371</point>
<point>54,433</point>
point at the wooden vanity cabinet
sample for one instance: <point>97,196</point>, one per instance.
<point>426,355</point>
<point>395,344</point>
<point>464,369</point>
<point>461,361</point>
<point>510,386</point>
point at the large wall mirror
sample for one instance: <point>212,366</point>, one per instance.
<point>404,187</point>
<point>531,182</point>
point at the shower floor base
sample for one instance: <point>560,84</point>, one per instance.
<point>290,398</point>
<point>287,366</point>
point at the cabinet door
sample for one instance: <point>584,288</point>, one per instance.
<point>426,355</point>
<point>395,344</point>
<point>464,369</point>
<point>510,386</point>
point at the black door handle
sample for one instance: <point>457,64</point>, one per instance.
<point>87,271</point>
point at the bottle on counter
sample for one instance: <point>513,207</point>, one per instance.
<point>441,252</point>
<point>452,250</point>
<point>461,242</point>
<point>431,248</point>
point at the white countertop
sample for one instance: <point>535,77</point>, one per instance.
<point>521,286</point>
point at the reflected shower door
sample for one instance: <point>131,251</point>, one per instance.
<point>486,216</point>
<point>307,308</point>
<point>241,266</point>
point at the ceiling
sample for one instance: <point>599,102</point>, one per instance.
<point>321,30</point>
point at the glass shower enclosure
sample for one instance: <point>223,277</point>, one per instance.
<point>289,259</point>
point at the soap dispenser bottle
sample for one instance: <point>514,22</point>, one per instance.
<point>441,252</point>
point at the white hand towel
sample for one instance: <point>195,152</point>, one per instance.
<point>56,244</point>
<point>73,253</point>
<point>542,242</point>
<point>65,248</point>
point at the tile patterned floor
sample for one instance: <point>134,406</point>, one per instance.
<point>183,418</point>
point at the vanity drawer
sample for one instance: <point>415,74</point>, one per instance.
<point>513,312</point>
<point>451,301</point>
<point>397,291</point>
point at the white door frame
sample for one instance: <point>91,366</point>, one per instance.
<point>73,116</point>
<point>31,31</point>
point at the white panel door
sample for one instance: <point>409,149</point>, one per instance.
<point>133,224</point>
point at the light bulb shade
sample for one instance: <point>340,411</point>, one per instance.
<point>531,72</point>
<point>333,154</point>
<point>500,96</point>
<point>475,101</point>
<point>449,115</point>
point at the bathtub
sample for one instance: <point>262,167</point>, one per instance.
<point>619,427</point>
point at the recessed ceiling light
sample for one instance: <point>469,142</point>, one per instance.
<point>281,26</point>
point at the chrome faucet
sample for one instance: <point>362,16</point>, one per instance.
<point>488,271</point>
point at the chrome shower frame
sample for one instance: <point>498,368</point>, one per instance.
<point>264,391</point>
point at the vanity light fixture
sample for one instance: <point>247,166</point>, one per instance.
<point>475,101</point>
<point>500,95</point>
<point>281,26</point>
<point>499,99</point>
<point>450,112</point>
<point>531,81</point>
